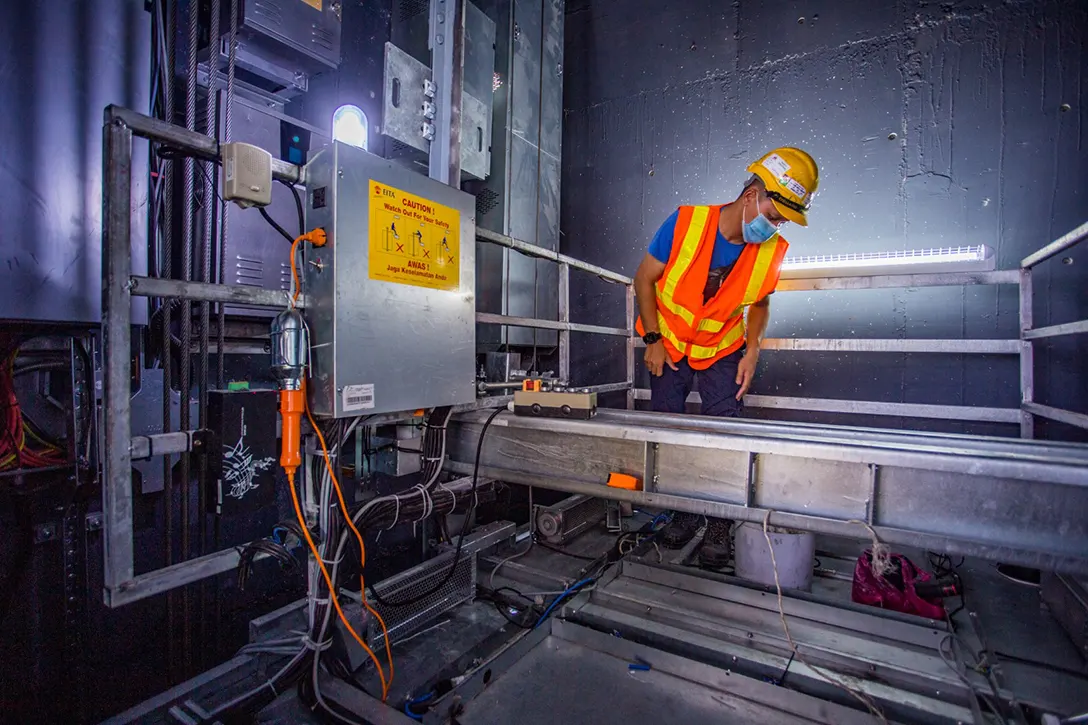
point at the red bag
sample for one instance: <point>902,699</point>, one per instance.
<point>885,591</point>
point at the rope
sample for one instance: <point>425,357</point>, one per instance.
<point>856,694</point>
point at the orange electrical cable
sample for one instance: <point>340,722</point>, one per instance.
<point>332,589</point>
<point>316,237</point>
<point>294,269</point>
<point>358,536</point>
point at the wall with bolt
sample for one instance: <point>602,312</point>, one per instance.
<point>934,124</point>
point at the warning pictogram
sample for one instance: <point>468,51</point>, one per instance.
<point>413,240</point>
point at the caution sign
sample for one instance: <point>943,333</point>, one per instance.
<point>413,240</point>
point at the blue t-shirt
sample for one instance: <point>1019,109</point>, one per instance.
<point>725,253</point>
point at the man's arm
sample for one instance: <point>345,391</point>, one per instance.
<point>759,314</point>
<point>649,272</point>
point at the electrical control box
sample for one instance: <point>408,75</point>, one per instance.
<point>391,297</point>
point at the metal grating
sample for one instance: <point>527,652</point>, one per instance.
<point>585,513</point>
<point>486,200</point>
<point>404,621</point>
<point>411,8</point>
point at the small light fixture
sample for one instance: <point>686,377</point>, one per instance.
<point>910,261</point>
<point>349,125</point>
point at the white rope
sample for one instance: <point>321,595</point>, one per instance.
<point>857,695</point>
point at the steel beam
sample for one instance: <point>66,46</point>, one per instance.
<point>865,407</point>
<point>1069,328</point>
<point>200,291</point>
<point>532,250</point>
<point>493,319</point>
<point>195,144</point>
<point>1056,247</point>
<point>1068,417</point>
<point>116,345</point>
<point>953,347</point>
<point>998,499</point>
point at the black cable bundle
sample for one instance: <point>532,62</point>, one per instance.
<point>434,445</point>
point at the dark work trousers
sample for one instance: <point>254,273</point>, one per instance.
<point>717,387</point>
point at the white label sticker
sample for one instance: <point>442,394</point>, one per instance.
<point>794,186</point>
<point>358,397</point>
<point>228,169</point>
<point>776,165</point>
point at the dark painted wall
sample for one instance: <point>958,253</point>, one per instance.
<point>666,103</point>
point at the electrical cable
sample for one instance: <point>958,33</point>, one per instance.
<point>515,555</point>
<point>298,205</point>
<point>572,589</point>
<point>464,527</point>
<point>861,697</point>
<point>362,554</point>
<point>275,225</point>
<point>332,589</point>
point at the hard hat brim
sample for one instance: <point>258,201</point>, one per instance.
<point>797,217</point>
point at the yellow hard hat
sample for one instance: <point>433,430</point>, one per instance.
<point>791,178</point>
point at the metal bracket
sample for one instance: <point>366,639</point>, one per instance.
<point>649,467</point>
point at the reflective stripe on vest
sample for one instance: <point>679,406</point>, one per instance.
<point>707,331</point>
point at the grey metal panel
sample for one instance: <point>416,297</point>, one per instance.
<point>62,63</point>
<point>551,79</point>
<point>253,253</point>
<point>475,137</point>
<point>415,345</point>
<point>479,53</point>
<point>402,120</point>
<point>687,471</point>
<point>992,510</point>
<point>525,72</point>
<point>818,488</point>
<point>577,458</point>
<point>294,31</point>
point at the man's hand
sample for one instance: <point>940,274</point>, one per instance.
<point>746,371</point>
<point>657,357</point>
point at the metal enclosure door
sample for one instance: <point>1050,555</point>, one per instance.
<point>406,346</point>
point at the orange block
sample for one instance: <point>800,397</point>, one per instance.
<point>622,480</point>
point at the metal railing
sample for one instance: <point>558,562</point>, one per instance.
<point>1029,409</point>
<point>123,585</point>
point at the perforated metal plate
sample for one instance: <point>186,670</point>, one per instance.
<point>404,621</point>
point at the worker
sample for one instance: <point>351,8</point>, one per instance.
<point>707,265</point>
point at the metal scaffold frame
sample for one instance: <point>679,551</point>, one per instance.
<point>119,285</point>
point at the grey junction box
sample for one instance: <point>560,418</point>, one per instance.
<point>391,308</point>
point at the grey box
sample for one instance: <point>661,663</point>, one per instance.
<point>390,346</point>
<point>300,34</point>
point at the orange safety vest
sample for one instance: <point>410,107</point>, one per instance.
<point>706,333</point>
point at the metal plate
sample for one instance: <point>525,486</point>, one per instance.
<point>415,345</point>
<point>402,98</point>
<point>475,137</point>
<point>294,31</point>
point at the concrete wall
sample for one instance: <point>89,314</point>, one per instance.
<point>934,124</point>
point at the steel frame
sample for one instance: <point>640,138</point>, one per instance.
<point>119,285</point>
<point>1008,500</point>
<point>1029,409</point>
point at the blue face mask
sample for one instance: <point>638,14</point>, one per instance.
<point>758,230</point>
